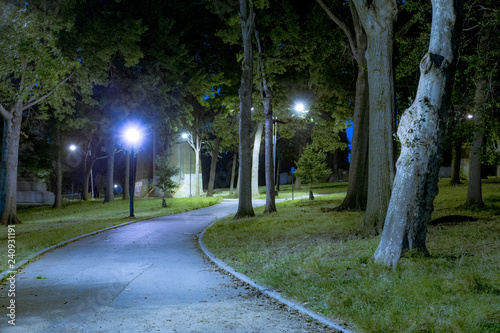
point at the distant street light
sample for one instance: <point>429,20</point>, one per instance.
<point>187,136</point>
<point>469,116</point>
<point>132,136</point>
<point>73,147</point>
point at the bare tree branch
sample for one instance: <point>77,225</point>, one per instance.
<point>34,102</point>
<point>342,25</point>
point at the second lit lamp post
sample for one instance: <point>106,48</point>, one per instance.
<point>74,148</point>
<point>187,136</point>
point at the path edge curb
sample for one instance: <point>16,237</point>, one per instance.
<point>267,291</point>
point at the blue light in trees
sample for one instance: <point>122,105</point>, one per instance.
<point>349,138</point>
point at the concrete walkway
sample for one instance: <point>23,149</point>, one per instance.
<point>143,277</point>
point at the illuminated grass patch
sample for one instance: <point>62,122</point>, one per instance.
<point>318,259</point>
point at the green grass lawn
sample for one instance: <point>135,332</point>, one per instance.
<point>286,190</point>
<point>43,226</point>
<point>318,259</point>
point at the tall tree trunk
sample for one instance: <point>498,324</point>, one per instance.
<point>255,159</point>
<point>86,180</point>
<point>245,208</point>
<point>126,181</point>
<point>233,172</point>
<point>58,171</point>
<point>270,194</point>
<point>377,18</point>
<point>267,101</point>
<point>9,164</point>
<point>213,168</point>
<point>474,190</point>
<point>357,185</point>
<point>110,153</point>
<point>421,131</point>
<point>456,156</point>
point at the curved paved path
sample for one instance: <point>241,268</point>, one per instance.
<point>144,277</point>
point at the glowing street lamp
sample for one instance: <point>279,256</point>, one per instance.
<point>132,136</point>
<point>187,136</point>
<point>300,107</point>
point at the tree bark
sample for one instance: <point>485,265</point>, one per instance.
<point>110,166</point>
<point>58,172</point>
<point>213,168</point>
<point>255,159</point>
<point>270,194</point>
<point>474,190</point>
<point>377,18</point>
<point>456,156</point>
<point>9,164</point>
<point>233,173</point>
<point>85,190</point>
<point>245,208</point>
<point>421,132</point>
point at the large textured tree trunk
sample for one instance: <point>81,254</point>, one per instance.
<point>421,131</point>
<point>456,156</point>
<point>213,168</point>
<point>377,18</point>
<point>58,172</point>
<point>357,185</point>
<point>233,173</point>
<point>255,159</point>
<point>474,190</point>
<point>110,167</point>
<point>9,164</point>
<point>245,208</point>
<point>126,181</point>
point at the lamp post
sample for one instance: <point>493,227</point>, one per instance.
<point>73,147</point>
<point>300,108</point>
<point>132,136</point>
<point>187,136</point>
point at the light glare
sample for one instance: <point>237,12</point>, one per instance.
<point>72,147</point>
<point>132,135</point>
<point>299,107</point>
